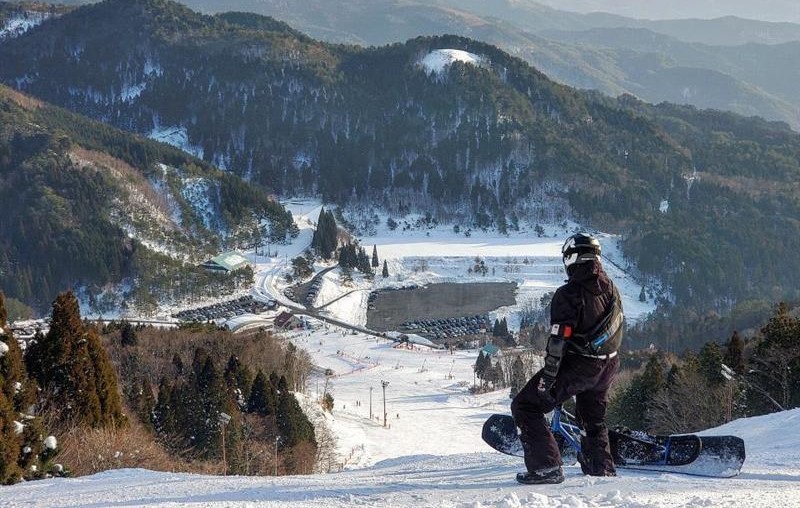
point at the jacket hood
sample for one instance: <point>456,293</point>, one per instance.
<point>591,276</point>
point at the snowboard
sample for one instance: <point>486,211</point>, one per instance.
<point>714,456</point>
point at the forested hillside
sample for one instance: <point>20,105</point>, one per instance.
<point>493,145</point>
<point>654,60</point>
<point>86,206</point>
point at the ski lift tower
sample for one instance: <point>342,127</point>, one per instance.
<point>384,384</point>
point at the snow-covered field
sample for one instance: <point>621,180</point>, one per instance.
<point>438,254</point>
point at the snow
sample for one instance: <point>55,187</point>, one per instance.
<point>3,349</point>
<point>50,443</point>
<point>197,192</point>
<point>176,136</point>
<point>437,254</point>
<point>130,92</point>
<point>21,23</point>
<point>437,60</point>
<point>664,206</point>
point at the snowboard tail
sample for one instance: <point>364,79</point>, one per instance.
<point>715,456</point>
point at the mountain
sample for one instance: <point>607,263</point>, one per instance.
<point>770,69</point>
<point>769,10</point>
<point>556,43</point>
<point>585,51</point>
<point>492,143</point>
<point>89,206</point>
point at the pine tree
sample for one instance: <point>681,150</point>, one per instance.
<point>642,295</point>
<point>18,451</point>
<point>207,399</point>
<point>262,396</point>
<point>164,418</point>
<point>518,378</point>
<point>10,441</point>
<point>3,311</point>
<point>70,362</point>
<point>127,334</point>
<point>293,424</point>
<point>385,269</point>
<point>711,364</point>
<point>734,355</point>
<point>325,235</point>
<point>375,262</point>
<point>239,381</point>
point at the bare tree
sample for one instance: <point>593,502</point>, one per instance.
<point>772,376</point>
<point>688,404</point>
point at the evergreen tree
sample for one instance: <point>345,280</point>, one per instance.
<point>10,441</point>
<point>262,396</point>
<point>239,381</point>
<point>734,355</point>
<point>143,403</point>
<point>127,334</point>
<point>3,311</point>
<point>385,269</point>
<point>711,364</point>
<point>375,262</point>
<point>164,418</point>
<point>518,377</point>
<point>325,237</point>
<point>70,363</point>
<point>293,424</point>
<point>212,396</point>
<point>630,406</point>
<point>642,295</point>
<point>18,451</point>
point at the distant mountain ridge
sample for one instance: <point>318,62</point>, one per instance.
<point>756,81</point>
<point>766,10</point>
<point>485,146</point>
<point>676,69</point>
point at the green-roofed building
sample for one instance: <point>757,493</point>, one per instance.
<point>490,349</point>
<point>226,262</point>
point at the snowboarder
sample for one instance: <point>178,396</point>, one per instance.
<point>586,331</point>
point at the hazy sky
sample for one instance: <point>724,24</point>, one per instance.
<point>767,10</point>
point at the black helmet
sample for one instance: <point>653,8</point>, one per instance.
<point>580,248</point>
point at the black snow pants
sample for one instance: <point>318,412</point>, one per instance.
<point>588,379</point>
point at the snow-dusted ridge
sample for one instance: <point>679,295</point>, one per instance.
<point>21,23</point>
<point>439,59</point>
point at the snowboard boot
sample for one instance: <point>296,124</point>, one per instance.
<point>542,476</point>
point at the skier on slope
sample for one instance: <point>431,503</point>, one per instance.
<point>586,331</point>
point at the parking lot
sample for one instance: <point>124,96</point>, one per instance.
<point>306,293</point>
<point>226,310</point>
<point>449,328</point>
<point>392,309</point>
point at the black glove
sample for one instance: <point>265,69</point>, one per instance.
<point>555,351</point>
<point>546,383</point>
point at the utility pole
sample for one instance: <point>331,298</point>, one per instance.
<point>277,438</point>
<point>223,420</point>
<point>384,384</point>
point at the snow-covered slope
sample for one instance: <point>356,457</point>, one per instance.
<point>477,480</point>
<point>437,60</point>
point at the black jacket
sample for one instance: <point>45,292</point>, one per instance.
<point>584,300</point>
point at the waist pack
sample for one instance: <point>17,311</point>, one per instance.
<point>606,337</point>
